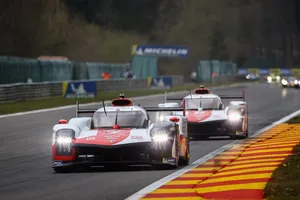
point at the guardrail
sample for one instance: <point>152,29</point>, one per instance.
<point>22,91</point>
<point>227,79</point>
<point>27,91</point>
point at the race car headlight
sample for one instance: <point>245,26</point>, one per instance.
<point>296,81</point>
<point>234,116</point>
<point>64,136</point>
<point>64,140</point>
<point>160,137</point>
<point>284,82</point>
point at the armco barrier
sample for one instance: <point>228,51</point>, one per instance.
<point>20,91</point>
<point>227,79</point>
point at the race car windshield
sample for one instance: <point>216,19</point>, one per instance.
<point>125,119</point>
<point>205,103</point>
<point>159,116</point>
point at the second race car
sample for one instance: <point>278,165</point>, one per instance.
<point>207,116</point>
<point>291,82</point>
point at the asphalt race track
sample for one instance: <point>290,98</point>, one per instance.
<point>25,151</point>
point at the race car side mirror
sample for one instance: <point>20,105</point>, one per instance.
<point>62,121</point>
<point>174,119</point>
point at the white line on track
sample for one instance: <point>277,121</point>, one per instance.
<point>97,103</point>
<point>140,194</point>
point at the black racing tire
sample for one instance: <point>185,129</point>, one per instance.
<point>238,137</point>
<point>186,160</point>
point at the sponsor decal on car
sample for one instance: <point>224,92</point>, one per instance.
<point>168,160</point>
<point>90,138</point>
<point>137,137</point>
<point>57,163</point>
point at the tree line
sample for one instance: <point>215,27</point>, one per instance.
<point>95,30</point>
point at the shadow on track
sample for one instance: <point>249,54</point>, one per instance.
<point>211,139</point>
<point>119,168</point>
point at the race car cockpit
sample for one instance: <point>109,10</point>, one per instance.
<point>203,103</point>
<point>124,119</point>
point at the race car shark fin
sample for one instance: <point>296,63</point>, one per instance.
<point>103,103</point>
<point>200,106</point>
<point>116,120</point>
<point>191,94</point>
<point>77,108</point>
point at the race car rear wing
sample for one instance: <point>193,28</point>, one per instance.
<point>175,98</point>
<point>221,96</point>
<point>85,111</point>
<point>157,109</point>
<point>233,97</point>
<point>160,109</point>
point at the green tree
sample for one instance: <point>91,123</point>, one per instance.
<point>218,47</point>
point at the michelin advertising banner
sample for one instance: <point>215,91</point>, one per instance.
<point>79,89</point>
<point>160,82</point>
<point>160,51</point>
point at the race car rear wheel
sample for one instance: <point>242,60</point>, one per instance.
<point>186,159</point>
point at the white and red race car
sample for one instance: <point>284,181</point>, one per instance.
<point>207,117</point>
<point>121,134</point>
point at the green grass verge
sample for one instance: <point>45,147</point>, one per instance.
<point>295,120</point>
<point>22,106</point>
<point>285,182</point>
